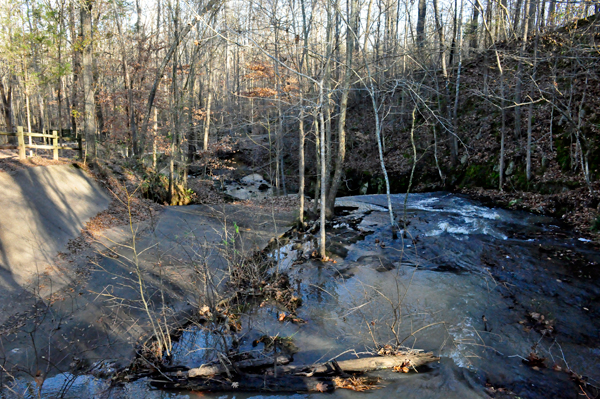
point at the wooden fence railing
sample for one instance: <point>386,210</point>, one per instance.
<point>55,146</point>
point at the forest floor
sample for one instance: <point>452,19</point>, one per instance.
<point>9,161</point>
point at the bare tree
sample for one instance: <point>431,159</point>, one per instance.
<point>422,14</point>
<point>89,120</point>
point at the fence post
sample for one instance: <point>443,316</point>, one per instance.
<point>80,146</point>
<point>55,144</point>
<point>21,140</point>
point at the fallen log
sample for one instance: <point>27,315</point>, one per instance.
<point>362,365</point>
<point>216,369</point>
<point>289,378</point>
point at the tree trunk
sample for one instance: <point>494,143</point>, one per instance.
<point>27,107</point>
<point>454,34</point>
<point>440,31</point>
<point>207,119</point>
<point>326,107</point>
<point>317,163</point>
<point>154,139</point>
<point>488,39</point>
<point>530,114</point>
<point>519,84</point>
<point>301,162</point>
<point>474,27</point>
<point>59,82</point>
<point>502,133</point>
<point>89,119</point>
<point>125,66</point>
<point>454,137</point>
<point>517,16</point>
<point>532,17</point>
<point>322,239</point>
<point>76,60</point>
<point>382,164</point>
<point>422,11</point>
<point>542,17</point>
<point>191,133</point>
<point>345,88</point>
<point>175,132</point>
<point>6,97</point>
<point>323,111</point>
<point>98,108</point>
<point>280,170</point>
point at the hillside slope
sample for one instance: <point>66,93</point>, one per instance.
<point>556,73</point>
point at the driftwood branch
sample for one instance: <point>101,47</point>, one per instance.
<point>216,369</point>
<point>290,378</point>
<point>364,365</point>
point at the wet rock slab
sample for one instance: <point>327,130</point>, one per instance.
<point>104,319</point>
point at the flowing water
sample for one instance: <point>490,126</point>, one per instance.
<point>482,288</point>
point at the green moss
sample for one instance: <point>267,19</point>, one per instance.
<point>379,184</point>
<point>481,175</point>
<point>156,188</point>
<point>519,179</point>
<point>563,155</point>
<point>596,224</point>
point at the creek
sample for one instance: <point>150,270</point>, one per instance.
<point>482,288</point>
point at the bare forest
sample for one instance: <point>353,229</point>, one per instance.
<point>448,95</point>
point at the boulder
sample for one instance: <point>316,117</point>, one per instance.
<point>253,179</point>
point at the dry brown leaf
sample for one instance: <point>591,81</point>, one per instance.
<point>402,368</point>
<point>358,384</point>
<point>321,387</point>
<point>534,361</point>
